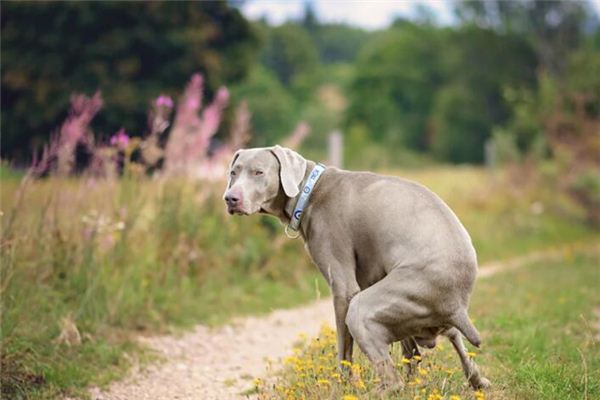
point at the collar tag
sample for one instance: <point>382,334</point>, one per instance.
<point>304,196</point>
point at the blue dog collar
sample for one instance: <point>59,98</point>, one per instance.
<point>304,196</point>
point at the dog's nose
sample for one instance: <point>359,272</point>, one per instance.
<point>232,199</point>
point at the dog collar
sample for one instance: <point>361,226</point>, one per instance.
<point>304,196</point>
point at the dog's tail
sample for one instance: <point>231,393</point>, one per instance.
<point>462,322</point>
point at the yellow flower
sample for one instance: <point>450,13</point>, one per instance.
<point>423,372</point>
<point>258,382</point>
<point>349,397</point>
<point>405,360</point>
<point>360,384</point>
<point>346,363</point>
<point>471,354</point>
<point>455,397</point>
<point>323,382</point>
<point>479,395</point>
<point>418,358</point>
<point>416,381</point>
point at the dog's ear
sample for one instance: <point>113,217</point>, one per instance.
<point>292,167</point>
<point>235,157</point>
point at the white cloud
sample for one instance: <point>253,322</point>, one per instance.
<point>371,14</point>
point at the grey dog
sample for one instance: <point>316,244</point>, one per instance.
<point>399,263</point>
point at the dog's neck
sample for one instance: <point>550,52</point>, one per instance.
<point>283,206</point>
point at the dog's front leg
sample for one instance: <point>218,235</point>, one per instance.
<point>344,339</point>
<point>339,271</point>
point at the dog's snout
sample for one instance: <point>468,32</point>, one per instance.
<point>232,199</point>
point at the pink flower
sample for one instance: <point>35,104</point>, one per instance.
<point>164,101</point>
<point>120,139</point>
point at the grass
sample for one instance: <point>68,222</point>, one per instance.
<point>539,343</point>
<point>106,261</point>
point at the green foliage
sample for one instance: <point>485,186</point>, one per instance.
<point>272,107</point>
<point>397,75</point>
<point>554,28</point>
<point>418,86</point>
<point>461,125</point>
<point>290,53</point>
<point>338,43</point>
<point>131,52</point>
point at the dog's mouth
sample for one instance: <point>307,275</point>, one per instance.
<point>236,211</point>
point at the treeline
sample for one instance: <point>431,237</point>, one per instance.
<point>499,72</point>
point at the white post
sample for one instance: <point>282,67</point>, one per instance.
<point>336,149</point>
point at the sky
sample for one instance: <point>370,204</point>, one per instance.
<point>368,14</point>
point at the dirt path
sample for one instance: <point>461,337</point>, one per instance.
<point>222,363</point>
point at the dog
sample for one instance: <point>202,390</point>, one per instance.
<point>400,265</point>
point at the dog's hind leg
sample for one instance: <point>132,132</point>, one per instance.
<point>409,350</point>
<point>476,380</point>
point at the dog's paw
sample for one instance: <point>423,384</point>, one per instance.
<point>481,383</point>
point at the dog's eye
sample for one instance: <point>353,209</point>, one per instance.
<point>232,173</point>
<point>258,173</point>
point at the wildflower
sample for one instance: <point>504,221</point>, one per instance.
<point>423,372</point>
<point>479,395</point>
<point>405,360</point>
<point>360,384</point>
<point>164,101</point>
<point>258,382</point>
<point>455,397</point>
<point>349,397</point>
<point>346,363</point>
<point>418,358</point>
<point>120,139</point>
<point>471,354</point>
<point>416,381</point>
<point>323,382</point>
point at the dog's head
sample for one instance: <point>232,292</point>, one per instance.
<point>259,177</point>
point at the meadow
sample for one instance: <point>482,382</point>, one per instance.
<point>89,264</point>
<point>540,335</point>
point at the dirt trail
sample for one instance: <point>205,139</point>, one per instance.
<point>222,363</point>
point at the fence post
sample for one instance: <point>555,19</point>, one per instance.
<point>490,153</point>
<point>336,149</point>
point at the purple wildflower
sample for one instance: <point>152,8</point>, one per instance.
<point>164,101</point>
<point>120,139</point>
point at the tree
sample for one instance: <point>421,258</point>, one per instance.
<point>132,52</point>
<point>272,108</point>
<point>554,28</point>
<point>397,75</point>
<point>290,53</point>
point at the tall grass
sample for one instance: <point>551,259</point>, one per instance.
<point>87,264</point>
<point>111,257</point>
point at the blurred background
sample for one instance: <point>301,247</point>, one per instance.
<point>118,120</point>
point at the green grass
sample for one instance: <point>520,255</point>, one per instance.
<point>143,256</point>
<point>538,329</point>
<point>540,339</point>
